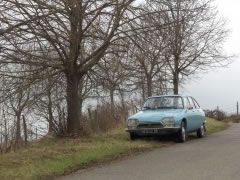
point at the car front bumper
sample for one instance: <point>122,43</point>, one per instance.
<point>153,131</point>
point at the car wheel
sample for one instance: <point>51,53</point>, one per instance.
<point>133,136</point>
<point>201,131</point>
<point>182,134</point>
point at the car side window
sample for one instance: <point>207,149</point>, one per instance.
<point>179,103</point>
<point>196,103</point>
<point>186,102</point>
<point>192,104</point>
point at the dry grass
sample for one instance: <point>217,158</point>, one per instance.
<point>52,156</point>
<point>233,119</point>
<point>214,126</point>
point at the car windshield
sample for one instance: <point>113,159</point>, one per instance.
<point>164,102</point>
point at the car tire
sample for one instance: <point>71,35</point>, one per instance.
<point>133,136</point>
<point>201,131</point>
<point>182,134</point>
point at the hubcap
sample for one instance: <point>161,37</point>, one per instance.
<point>183,133</point>
<point>202,130</point>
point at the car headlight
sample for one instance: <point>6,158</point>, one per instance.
<point>168,122</point>
<point>132,122</point>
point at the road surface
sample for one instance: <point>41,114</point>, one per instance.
<point>215,157</point>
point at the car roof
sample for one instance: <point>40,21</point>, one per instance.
<point>173,95</point>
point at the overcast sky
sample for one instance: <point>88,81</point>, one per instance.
<point>221,87</point>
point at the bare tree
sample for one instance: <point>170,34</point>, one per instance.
<point>148,51</point>
<point>51,99</point>
<point>18,97</point>
<point>63,50</point>
<point>195,36</point>
<point>110,74</point>
<point>76,33</point>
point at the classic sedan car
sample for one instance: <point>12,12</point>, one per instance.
<point>173,114</point>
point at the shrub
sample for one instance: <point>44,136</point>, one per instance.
<point>104,117</point>
<point>216,114</point>
<point>233,118</point>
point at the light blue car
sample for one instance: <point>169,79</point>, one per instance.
<point>175,114</point>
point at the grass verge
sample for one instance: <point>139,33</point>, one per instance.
<point>53,157</point>
<point>214,126</point>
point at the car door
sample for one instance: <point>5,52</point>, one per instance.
<point>195,114</point>
<point>189,115</point>
<point>200,114</point>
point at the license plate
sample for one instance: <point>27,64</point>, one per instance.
<point>150,131</point>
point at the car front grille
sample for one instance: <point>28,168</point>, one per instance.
<point>150,125</point>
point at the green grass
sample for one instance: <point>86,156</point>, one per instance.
<point>214,126</point>
<point>54,156</point>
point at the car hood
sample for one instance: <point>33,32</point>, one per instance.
<point>156,115</point>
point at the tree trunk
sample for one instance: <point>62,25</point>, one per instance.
<point>25,130</point>
<point>112,98</point>
<point>5,129</point>
<point>18,129</point>
<point>125,109</point>
<point>114,115</point>
<point>149,85</point>
<point>73,105</point>
<point>50,114</point>
<point>176,83</point>
<point>122,99</point>
<point>143,90</point>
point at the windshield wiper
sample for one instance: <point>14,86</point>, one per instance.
<point>172,107</point>
<point>146,107</point>
<point>163,107</point>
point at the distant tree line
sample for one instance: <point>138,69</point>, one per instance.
<point>216,114</point>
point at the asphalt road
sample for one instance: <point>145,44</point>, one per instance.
<point>215,157</point>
